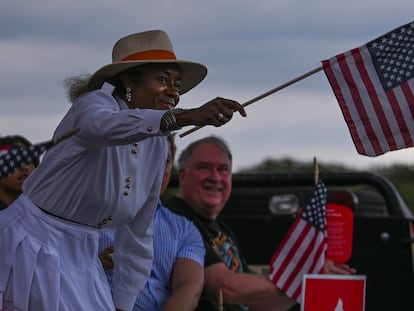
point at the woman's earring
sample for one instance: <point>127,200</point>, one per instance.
<point>128,94</point>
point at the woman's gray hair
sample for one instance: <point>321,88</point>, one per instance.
<point>77,85</point>
<point>80,84</point>
<point>186,154</point>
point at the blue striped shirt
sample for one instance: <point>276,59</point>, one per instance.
<point>174,237</point>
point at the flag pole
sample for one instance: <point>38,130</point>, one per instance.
<point>316,170</point>
<point>65,135</point>
<point>274,90</point>
<point>220,301</point>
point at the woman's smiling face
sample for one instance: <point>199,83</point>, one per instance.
<point>157,86</point>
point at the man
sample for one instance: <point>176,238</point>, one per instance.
<point>205,171</point>
<point>11,181</point>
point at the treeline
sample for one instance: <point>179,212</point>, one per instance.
<point>402,176</point>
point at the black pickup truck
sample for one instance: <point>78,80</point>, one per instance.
<point>263,206</point>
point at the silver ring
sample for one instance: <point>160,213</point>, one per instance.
<point>220,117</point>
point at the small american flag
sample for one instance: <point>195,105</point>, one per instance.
<point>302,251</point>
<point>374,87</point>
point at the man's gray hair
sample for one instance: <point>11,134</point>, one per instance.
<point>186,154</point>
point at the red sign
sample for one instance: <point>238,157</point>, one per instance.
<point>339,230</point>
<point>328,292</point>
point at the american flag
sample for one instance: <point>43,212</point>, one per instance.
<point>374,87</point>
<point>302,250</point>
<point>17,157</point>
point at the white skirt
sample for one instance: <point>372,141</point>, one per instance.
<point>49,264</point>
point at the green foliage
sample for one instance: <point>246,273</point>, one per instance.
<point>291,165</point>
<point>402,177</point>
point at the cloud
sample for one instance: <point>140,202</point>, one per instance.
<point>248,47</point>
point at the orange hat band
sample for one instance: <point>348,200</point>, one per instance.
<point>150,55</point>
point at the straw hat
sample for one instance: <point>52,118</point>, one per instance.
<point>152,46</point>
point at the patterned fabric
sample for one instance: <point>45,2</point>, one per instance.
<point>225,247</point>
<point>17,157</point>
<point>374,86</point>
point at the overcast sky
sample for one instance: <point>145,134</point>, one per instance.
<point>249,47</point>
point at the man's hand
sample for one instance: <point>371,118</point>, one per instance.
<point>333,268</point>
<point>106,258</point>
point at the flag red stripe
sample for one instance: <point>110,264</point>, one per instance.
<point>346,72</point>
<point>357,102</point>
<point>305,255</point>
<point>294,280</point>
<point>344,108</point>
<point>409,97</point>
<point>376,104</point>
<point>311,261</point>
<point>366,79</point>
<point>320,255</point>
<point>289,249</point>
<point>405,100</point>
<point>400,119</point>
<point>313,254</point>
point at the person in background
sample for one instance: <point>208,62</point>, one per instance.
<point>107,175</point>
<point>11,181</point>
<point>204,175</point>
<point>177,276</point>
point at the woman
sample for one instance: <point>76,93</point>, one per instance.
<point>107,175</point>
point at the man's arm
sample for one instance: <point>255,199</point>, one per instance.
<point>244,288</point>
<point>187,285</point>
